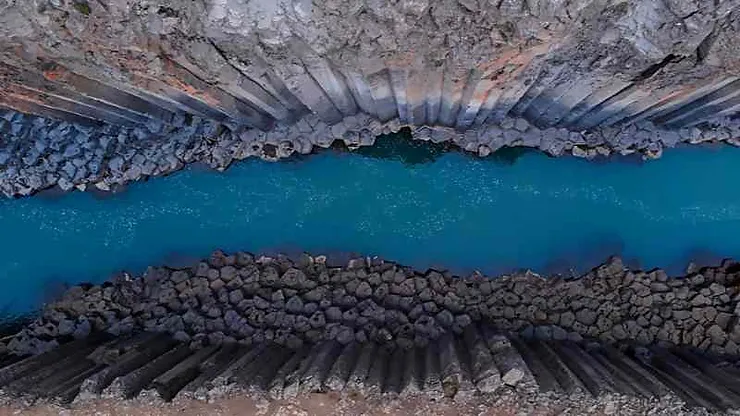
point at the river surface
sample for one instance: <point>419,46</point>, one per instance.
<point>447,210</point>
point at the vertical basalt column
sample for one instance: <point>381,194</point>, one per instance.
<point>474,98</point>
<point>395,372</point>
<point>556,102</point>
<point>455,81</point>
<point>365,359</point>
<point>342,368</point>
<point>610,107</point>
<point>330,81</point>
<point>145,350</point>
<point>513,91</point>
<point>585,368</point>
<point>129,385</point>
<point>544,80</point>
<point>510,363</point>
<point>283,376</point>
<point>486,376</point>
<point>31,364</point>
<point>690,100</point>
<point>28,106</point>
<point>433,95</point>
<point>150,106</point>
<point>564,376</point>
<point>278,357</point>
<point>360,89</point>
<point>488,105</point>
<point>232,372</point>
<point>382,92</point>
<point>294,379</point>
<point>185,82</point>
<point>309,92</point>
<point>416,94</point>
<point>592,101</point>
<point>210,368</point>
<point>169,383</point>
<point>540,372</point>
<point>399,86</point>
<point>234,82</point>
<point>413,372</point>
<point>721,102</point>
<point>432,375</point>
<point>179,101</point>
<point>639,104</point>
<point>96,111</point>
<point>315,375</point>
<point>452,373</point>
<point>378,372</point>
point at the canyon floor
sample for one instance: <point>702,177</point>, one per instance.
<point>335,404</point>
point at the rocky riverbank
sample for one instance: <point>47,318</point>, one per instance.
<point>38,153</point>
<point>594,78</point>
<point>247,299</point>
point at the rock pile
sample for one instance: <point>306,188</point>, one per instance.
<point>38,153</point>
<point>242,298</point>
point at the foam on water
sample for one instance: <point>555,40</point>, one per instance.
<point>456,211</point>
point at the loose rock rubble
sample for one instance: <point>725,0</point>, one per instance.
<point>38,153</point>
<point>242,298</point>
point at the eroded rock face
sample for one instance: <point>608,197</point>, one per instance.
<point>622,37</point>
<point>246,299</point>
<point>284,56</point>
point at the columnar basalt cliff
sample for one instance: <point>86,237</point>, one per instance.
<point>279,328</point>
<point>269,78</point>
<point>242,298</point>
<point>99,93</point>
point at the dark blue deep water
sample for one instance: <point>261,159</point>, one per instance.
<point>453,211</point>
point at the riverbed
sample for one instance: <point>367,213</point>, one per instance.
<point>446,210</point>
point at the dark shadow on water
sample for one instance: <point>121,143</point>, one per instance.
<point>699,256</point>
<point>177,260</point>
<point>402,147</point>
<point>12,324</point>
<point>50,194</point>
<point>509,155</point>
<point>56,193</point>
<point>635,159</point>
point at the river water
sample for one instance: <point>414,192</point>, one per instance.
<point>430,209</point>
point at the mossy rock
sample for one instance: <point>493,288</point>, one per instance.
<point>83,8</point>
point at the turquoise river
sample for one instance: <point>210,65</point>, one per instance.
<point>451,211</point>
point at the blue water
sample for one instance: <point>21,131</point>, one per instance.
<point>455,211</point>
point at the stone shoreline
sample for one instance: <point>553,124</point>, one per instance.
<point>247,299</point>
<point>166,86</point>
<point>38,153</point>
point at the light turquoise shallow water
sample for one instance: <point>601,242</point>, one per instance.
<point>458,212</point>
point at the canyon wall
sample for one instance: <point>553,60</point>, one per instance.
<point>219,80</point>
<point>279,328</point>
